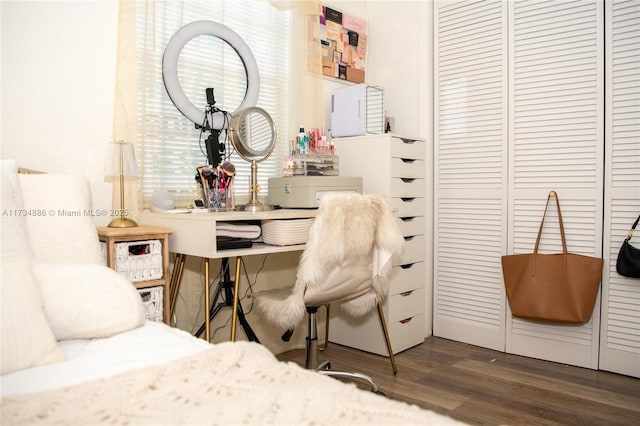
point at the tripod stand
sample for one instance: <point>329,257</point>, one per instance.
<point>227,285</point>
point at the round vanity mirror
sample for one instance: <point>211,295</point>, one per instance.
<point>253,135</point>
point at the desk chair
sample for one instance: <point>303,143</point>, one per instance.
<point>348,257</point>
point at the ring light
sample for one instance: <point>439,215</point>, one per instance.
<point>170,70</point>
<point>253,135</point>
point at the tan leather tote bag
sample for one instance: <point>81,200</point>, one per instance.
<point>556,288</point>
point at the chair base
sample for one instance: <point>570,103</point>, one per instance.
<point>324,367</point>
<point>325,370</point>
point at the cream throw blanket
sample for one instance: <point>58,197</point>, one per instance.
<point>349,254</point>
<point>230,384</point>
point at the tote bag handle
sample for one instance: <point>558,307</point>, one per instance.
<point>633,228</point>
<point>553,194</point>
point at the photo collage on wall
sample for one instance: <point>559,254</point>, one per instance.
<point>344,45</point>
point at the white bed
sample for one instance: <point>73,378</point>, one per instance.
<point>158,375</point>
<point>90,359</point>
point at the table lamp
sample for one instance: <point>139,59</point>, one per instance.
<point>121,162</point>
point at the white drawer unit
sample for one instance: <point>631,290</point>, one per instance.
<point>394,167</point>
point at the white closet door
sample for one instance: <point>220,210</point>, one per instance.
<point>556,143</point>
<point>470,171</point>
<point>620,330</point>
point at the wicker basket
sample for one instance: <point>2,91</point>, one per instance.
<point>138,260</point>
<point>152,301</point>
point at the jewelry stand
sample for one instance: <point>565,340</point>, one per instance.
<point>227,285</point>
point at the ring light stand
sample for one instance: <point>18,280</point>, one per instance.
<point>215,117</point>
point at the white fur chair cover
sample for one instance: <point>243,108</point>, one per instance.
<point>349,254</point>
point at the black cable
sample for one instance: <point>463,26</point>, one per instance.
<point>205,123</point>
<point>250,286</point>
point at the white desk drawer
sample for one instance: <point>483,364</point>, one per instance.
<point>414,250</point>
<point>407,187</point>
<point>406,305</point>
<point>411,225</point>
<point>407,168</point>
<point>408,277</point>
<point>366,334</point>
<point>408,148</point>
<point>408,206</point>
<point>405,334</point>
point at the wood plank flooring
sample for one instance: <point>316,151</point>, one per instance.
<point>484,387</point>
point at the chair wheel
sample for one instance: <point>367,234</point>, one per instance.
<point>324,365</point>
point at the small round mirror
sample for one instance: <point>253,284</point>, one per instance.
<point>253,135</point>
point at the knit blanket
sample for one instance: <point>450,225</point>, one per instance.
<point>230,384</point>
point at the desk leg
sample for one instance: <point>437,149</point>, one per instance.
<point>236,297</point>
<point>207,307</point>
<point>176,281</point>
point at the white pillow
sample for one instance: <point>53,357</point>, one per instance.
<point>27,340</point>
<point>60,227</point>
<point>15,242</point>
<point>85,301</point>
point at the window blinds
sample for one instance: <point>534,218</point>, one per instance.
<point>169,146</point>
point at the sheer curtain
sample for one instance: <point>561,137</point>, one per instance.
<point>283,36</point>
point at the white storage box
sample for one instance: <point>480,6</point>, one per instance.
<point>152,301</point>
<point>286,232</point>
<point>357,110</point>
<point>305,192</point>
<point>139,260</point>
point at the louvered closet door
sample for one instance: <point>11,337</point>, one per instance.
<point>470,47</point>
<point>620,330</point>
<point>556,143</point>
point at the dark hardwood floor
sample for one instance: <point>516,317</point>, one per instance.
<point>484,387</point>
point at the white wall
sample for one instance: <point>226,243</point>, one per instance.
<point>58,76</point>
<point>398,59</point>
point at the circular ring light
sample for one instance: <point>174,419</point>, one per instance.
<point>170,69</point>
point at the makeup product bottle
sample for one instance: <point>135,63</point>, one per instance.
<point>302,140</point>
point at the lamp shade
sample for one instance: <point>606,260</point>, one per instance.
<point>121,160</point>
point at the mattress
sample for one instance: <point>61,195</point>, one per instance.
<point>152,344</point>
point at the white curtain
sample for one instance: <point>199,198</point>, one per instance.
<point>124,110</point>
<point>307,96</point>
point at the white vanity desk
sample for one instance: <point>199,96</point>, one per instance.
<point>194,234</point>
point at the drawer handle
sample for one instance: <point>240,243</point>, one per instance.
<point>408,160</point>
<point>407,265</point>
<point>407,180</point>
<point>408,199</point>
<point>407,293</point>
<point>407,219</point>
<point>406,320</point>
<point>408,141</point>
<point>409,238</point>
